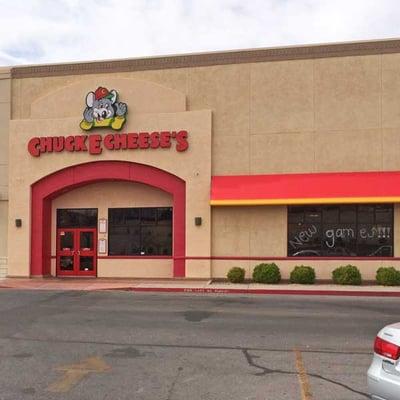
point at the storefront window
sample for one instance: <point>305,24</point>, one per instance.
<point>341,230</point>
<point>140,231</point>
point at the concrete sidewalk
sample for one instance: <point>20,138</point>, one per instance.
<point>195,286</point>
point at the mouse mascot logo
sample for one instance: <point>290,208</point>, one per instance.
<point>103,110</point>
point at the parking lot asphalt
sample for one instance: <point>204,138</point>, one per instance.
<point>124,345</point>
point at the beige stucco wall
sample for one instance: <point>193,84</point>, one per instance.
<point>107,195</point>
<point>317,115</point>
<point>193,165</point>
<point>5,106</point>
<point>333,114</point>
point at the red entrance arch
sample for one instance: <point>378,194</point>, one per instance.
<point>57,183</point>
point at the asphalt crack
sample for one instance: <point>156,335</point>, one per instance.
<point>265,371</point>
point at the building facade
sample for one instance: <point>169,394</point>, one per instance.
<point>185,166</point>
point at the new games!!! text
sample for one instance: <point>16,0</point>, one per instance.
<point>94,144</point>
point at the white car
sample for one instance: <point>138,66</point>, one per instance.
<point>384,372</point>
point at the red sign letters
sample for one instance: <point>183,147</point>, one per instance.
<point>94,143</point>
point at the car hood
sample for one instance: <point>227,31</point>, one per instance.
<point>391,333</point>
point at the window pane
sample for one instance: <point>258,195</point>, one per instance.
<point>124,245</point>
<point>330,214</point>
<point>296,214</point>
<point>131,217</point>
<point>140,231</point>
<point>339,240</point>
<point>66,241</point>
<point>348,214</point>
<point>86,263</point>
<point>304,240</point>
<point>67,263</point>
<point>156,240</point>
<point>344,231</point>
<point>86,241</point>
<point>312,214</point>
<point>366,214</point>
<point>164,216</point>
<point>148,216</point>
<point>383,213</point>
<point>77,218</point>
<point>375,240</point>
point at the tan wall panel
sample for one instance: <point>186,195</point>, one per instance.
<point>282,96</point>
<point>231,155</point>
<point>111,268</point>
<point>347,93</point>
<point>230,231</point>
<point>268,231</point>
<point>282,153</point>
<point>220,268</point>
<point>176,79</point>
<point>141,97</point>
<point>225,90</point>
<point>390,90</point>
<point>3,228</point>
<point>198,269</point>
<point>3,175</point>
<point>348,151</point>
<point>19,238</point>
<point>249,231</point>
<point>5,89</point>
<point>4,127</point>
<point>27,90</point>
<point>390,149</point>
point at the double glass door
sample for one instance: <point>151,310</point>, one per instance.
<point>76,252</point>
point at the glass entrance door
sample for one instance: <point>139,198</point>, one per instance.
<point>76,252</point>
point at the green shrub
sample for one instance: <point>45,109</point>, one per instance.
<point>347,275</point>
<point>236,275</point>
<point>302,274</point>
<point>266,273</point>
<point>388,276</point>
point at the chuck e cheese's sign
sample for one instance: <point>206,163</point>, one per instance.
<point>104,111</point>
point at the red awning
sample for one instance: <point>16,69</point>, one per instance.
<point>319,188</point>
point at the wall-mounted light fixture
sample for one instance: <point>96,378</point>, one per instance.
<point>18,223</point>
<point>197,221</point>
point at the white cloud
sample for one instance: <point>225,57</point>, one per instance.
<point>42,31</point>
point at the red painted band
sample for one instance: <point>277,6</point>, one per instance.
<point>244,258</point>
<point>290,258</point>
<point>306,186</point>
<point>296,292</point>
<point>138,258</point>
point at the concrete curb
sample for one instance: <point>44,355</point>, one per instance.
<point>297,292</point>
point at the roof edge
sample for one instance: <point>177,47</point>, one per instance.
<point>359,48</point>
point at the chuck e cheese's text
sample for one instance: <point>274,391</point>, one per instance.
<point>94,144</point>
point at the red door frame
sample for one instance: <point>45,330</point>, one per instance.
<point>77,252</point>
<point>57,183</point>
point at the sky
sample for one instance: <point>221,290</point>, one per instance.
<point>54,31</point>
